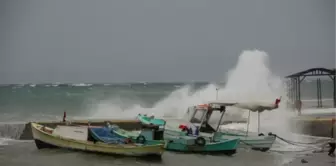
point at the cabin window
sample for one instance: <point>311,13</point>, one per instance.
<point>199,114</point>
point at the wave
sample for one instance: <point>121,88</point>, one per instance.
<point>251,80</point>
<point>11,130</point>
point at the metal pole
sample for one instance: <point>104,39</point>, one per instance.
<point>334,80</point>
<point>287,92</point>
<point>248,123</point>
<point>295,89</point>
<point>317,93</point>
<point>291,93</point>
<point>217,93</point>
<point>258,122</point>
<point>320,89</point>
<point>334,130</point>
<point>203,116</point>
<point>299,88</point>
<point>220,120</point>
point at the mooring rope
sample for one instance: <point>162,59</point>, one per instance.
<point>304,143</point>
<point>278,151</point>
<point>319,145</point>
<point>289,151</point>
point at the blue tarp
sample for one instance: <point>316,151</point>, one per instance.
<point>105,134</point>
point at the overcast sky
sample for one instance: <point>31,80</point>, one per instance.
<point>159,40</point>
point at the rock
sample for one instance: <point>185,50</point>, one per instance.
<point>304,161</point>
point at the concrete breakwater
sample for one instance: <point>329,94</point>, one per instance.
<point>309,125</point>
<point>315,126</point>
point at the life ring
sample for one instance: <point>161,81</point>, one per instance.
<point>140,139</point>
<point>200,141</point>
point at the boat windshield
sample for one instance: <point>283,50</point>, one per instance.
<point>198,115</point>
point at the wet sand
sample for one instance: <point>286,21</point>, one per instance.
<point>18,153</point>
<point>316,159</point>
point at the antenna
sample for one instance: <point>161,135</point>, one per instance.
<point>217,93</point>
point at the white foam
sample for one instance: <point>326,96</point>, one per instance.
<point>4,141</point>
<point>32,85</point>
<point>81,85</point>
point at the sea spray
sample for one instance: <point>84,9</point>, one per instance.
<point>250,80</point>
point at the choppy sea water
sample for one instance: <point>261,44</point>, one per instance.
<point>48,101</point>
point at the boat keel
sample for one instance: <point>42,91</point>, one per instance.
<point>42,145</point>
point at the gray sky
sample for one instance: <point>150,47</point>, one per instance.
<point>159,40</point>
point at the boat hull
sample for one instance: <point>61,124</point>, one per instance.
<point>261,143</point>
<point>187,144</point>
<point>227,147</point>
<point>47,140</point>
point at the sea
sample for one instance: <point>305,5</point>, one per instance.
<point>24,102</point>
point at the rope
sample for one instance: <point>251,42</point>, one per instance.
<point>288,151</point>
<point>307,143</point>
<point>321,144</point>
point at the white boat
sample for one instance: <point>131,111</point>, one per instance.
<point>197,118</point>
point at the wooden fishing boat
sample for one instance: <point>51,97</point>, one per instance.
<point>197,118</point>
<point>77,138</point>
<point>151,135</point>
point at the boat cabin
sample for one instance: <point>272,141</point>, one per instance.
<point>200,115</point>
<point>152,132</point>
